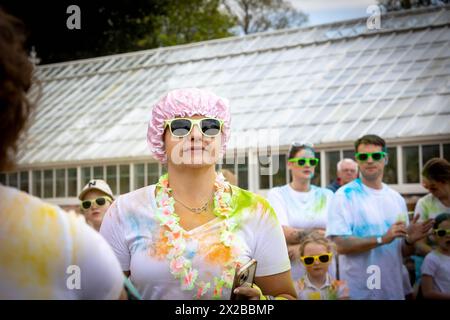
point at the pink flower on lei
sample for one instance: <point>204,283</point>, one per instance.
<point>178,265</point>
<point>202,288</point>
<point>188,281</point>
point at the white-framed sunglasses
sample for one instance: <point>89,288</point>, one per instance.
<point>181,127</point>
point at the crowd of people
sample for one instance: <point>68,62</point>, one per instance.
<point>185,236</point>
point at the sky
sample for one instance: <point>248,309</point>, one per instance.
<point>325,11</point>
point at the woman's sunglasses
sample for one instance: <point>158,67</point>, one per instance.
<point>301,162</point>
<point>364,156</point>
<point>181,127</point>
<point>322,258</point>
<point>100,201</point>
<point>441,232</point>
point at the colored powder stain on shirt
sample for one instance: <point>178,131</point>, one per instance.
<point>160,248</point>
<point>242,202</point>
<point>368,230</point>
<point>191,248</point>
<point>47,251</point>
<point>213,251</point>
<point>137,223</point>
<point>365,229</point>
<point>354,190</point>
<point>433,206</point>
<point>320,203</point>
<point>73,217</point>
<point>430,207</point>
<point>218,254</point>
<point>242,199</point>
<point>20,226</point>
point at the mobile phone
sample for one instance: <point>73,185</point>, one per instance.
<point>244,276</point>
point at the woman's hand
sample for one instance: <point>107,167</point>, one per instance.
<point>247,293</point>
<point>419,230</point>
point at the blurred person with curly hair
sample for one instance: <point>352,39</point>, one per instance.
<point>45,253</point>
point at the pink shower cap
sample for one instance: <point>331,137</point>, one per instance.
<point>185,103</point>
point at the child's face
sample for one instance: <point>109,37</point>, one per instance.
<point>317,269</point>
<point>443,242</point>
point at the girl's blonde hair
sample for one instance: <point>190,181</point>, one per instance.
<point>316,237</point>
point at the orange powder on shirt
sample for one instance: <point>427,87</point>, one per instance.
<point>218,254</point>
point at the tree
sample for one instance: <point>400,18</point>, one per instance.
<point>264,15</point>
<point>107,27</point>
<point>191,21</point>
<point>117,26</point>
<point>391,5</point>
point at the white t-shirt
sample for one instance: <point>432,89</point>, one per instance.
<point>331,290</point>
<point>301,210</point>
<point>429,207</point>
<point>44,249</point>
<point>437,265</point>
<point>138,240</point>
<point>360,211</point>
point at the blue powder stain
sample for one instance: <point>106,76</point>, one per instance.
<point>354,189</point>
<point>348,192</point>
<point>368,230</point>
<point>137,224</point>
<point>371,230</point>
<point>191,249</point>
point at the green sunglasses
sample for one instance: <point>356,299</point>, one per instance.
<point>364,156</point>
<point>181,127</point>
<point>301,162</point>
<point>441,232</point>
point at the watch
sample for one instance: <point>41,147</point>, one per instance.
<point>380,240</point>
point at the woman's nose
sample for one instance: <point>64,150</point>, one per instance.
<point>196,133</point>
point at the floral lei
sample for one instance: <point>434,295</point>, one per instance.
<point>179,255</point>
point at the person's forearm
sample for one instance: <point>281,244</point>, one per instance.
<point>408,249</point>
<point>434,295</point>
<point>422,249</point>
<point>293,235</point>
<point>352,245</point>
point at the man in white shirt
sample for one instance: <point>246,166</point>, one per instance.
<point>368,222</point>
